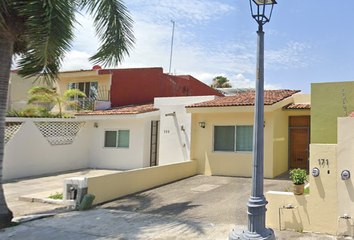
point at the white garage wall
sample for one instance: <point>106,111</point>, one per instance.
<point>138,153</point>
<point>28,153</point>
<point>174,142</point>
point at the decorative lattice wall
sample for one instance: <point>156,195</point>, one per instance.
<point>59,133</point>
<point>11,128</point>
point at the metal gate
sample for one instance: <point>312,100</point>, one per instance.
<point>299,140</point>
<point>154,143</point>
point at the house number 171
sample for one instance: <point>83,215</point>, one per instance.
<point>323,162</point>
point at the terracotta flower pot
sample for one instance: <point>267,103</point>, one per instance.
<point>298,189</point>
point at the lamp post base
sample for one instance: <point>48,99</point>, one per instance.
<point>267,234</point>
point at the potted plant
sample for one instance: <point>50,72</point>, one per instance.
<point>298,176</point>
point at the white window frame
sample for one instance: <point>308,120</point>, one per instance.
<point>235,150</point>
<point>115,130</point>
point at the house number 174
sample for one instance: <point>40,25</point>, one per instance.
<point>323,162</point>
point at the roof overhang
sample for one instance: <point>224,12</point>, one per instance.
<point>239,109</point>
<point>120,116</point>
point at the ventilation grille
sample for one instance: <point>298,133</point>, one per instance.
<point>10,129</point>
<point>59,133</point>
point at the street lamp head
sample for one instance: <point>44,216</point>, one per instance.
<point>266,2</point>
<point>264,10</point>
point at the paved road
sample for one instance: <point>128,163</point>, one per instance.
<point>104,224</point>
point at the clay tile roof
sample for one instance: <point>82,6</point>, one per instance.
<point>247,99</point>
<point>298,106</point>
<point>351,115</point>
<point>125,110</point>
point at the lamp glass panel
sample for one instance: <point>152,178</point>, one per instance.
<point>267,2</point>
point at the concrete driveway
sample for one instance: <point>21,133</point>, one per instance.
<point>199,207</point>
<point>212,199</point>
<point>32,190</point>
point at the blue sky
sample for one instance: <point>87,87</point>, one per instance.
<point>305,42</point>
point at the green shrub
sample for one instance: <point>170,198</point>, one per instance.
<point>58,196</point>
<point>36,112</point>
<point>298,176</point>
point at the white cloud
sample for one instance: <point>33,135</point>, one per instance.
<point>76,60</point>
<point>240,81</point>
<point>293,55</point>
<point>190,11</point>
<point>85,39</point>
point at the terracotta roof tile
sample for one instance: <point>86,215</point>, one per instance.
<point>351,115</point>
<point>247,99</point>
<point>298,106</point>
<point>125,110</point>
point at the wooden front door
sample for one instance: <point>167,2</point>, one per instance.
<point>299,140</point>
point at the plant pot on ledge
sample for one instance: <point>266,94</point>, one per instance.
<point>298,176</point>
<point>298,189</point>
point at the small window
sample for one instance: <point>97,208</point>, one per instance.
<point>110,139</point>
<point>224,138</point>
<point>116,139</point>
<point>233,138</point>
<point>123,138</point>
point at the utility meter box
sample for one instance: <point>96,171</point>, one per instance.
<point>74,189</point>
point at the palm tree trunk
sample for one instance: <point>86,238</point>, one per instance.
<point>6,50</point>
<point>59,104</point>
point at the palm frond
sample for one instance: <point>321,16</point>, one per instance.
<point>50,35</point>
<point>45,98</point>
<point>114,27</point>
<point>72,93</point>
<point>42,94</point>
<point>40,89</point>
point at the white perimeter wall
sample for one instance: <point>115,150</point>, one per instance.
<point>175,143</point>
<point>138,153</point>
<point>28,153</point>
<point>345,149</point>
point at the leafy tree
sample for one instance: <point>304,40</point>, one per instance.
<point>40,32</point>
<point>220,82</point>
<point>47,95</point>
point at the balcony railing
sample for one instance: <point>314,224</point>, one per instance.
<point>81,104</point>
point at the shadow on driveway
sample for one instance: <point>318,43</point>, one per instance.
<point>213,199</point>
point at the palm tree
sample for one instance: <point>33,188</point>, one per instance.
<point>47,95</point>
<point>220,82</point>
<point>41,32</point>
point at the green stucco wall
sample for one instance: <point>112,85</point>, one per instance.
<point>326,107</point>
